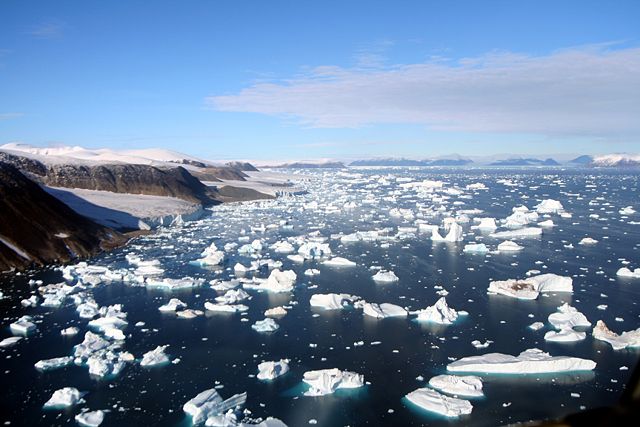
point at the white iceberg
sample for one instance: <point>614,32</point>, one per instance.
<point>509,246</point>
<point>280,281</point>
<point>225,308</point>
<point>268,371</point>
<point>549,206</point>
<point>339,262</point>
<point>314,250</point>
<point>432,401</point>
<point>23,326</point>
<point>90,418</point>
<point>468,386</point>
<point>568,317</point>
<point>440,313</point>
<point>173,305</point>
<point>384,276</point>
<point>486,223</point>
<point>54,363</point>
<point>155,357</point>
<point>587,241</point>
<point>331,301</point>
<point>618,342</point>
<point>626,272</point>
<point>266,325</point>
<point>475,248</point>
<point>565,335</point>
<point>327,381</point>
<point>531,287</point>
<point>211,256</point>
<point>233,296</point>
<point>518,233</point>
<point>9,342</point>
<point>531,361</point>
<point>64,398</point>
<point>384,310</point>
<point>209,404</point>
<point>275,312</point>
<point>454,234</point>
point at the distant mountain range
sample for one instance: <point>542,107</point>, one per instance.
<point>410,162</point>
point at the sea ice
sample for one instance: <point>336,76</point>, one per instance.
<point>225,308</point>
<point>327,381</point>
<point>531,287</point>
<point>155,357</point>
<point>209,404</point>
<point>626,272</point>
<point>531,361</point>
<point>339,262</point>
<point>618,342</point>
<point>211,256</point>
<point>486,223</point>
<point>475,248</point>
<point>384,276</point>
<point>437,313</point>
<point>173,305</point>
<point>384,310</point>
<point>331,301</point>
<point>271,370</point>
<point>549,206</point>
<point>90,419</point>
<point>568,317</point>
<point>587,241</point>
<point>509,246</point>
<point>266,325</point>
<point>432,401</point>
<point>64,398</point>
<point>518,233</point>
<point>23,326</point>
<point>70,331</point>
<point>9,342</point>
<point>55,363</point>
<point>275,312</point>
<point>469,386</point>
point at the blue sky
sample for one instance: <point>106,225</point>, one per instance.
<point>330,79</point>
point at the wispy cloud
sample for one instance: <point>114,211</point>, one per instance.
<point>10,116</point>
<point>585,91</point>
<point>52,28</point>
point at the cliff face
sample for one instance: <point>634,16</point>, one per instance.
<point>36,228</point>
<point>242,166</point>
<point>117,178</point>
<point>216,174</point>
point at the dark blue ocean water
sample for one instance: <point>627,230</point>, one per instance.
<point>222,349</point>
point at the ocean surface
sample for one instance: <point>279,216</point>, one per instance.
<point>223,350</point>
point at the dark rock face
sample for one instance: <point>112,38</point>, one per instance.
<point>239,194</point>
<point>118,178</point>
<point>216,174</point>
<point>43,229</point>
<point>242,166</point>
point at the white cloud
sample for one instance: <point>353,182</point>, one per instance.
<point>587,91</point>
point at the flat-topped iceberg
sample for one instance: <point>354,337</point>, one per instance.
<point>332,301</point>
<point>64,398</point>
<point>531,287</point>
<point>155,357</point>
<point>475,248</point>
<point>384,310</point>
<point>564,335</point>
<point>618,342</point>
<point>271,370</point>
<point>23,326</point>
<point>327,381</point>
<point>468,386</point>
<point>440,313</point>
<point>339,262</point>
<point>225,308</point>
<point>432,401</point>
<point>209,404</point>
<point>54,363</point>
<point>9,342</point>
<point>518,233</point>
<point>384,276</point>
<point>531,361</point>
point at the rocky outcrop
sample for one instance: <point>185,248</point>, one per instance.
<point>215,174</point>
<point>242,166</point>
<point>36,228</point>
<point>117,178</point>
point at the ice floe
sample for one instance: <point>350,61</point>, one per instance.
<point>90,418</point>
<point>271,370</point>
<point>64,398</point>
<point>509,246</point>
<point>54,363</point>
<point>332,301</point>
<point>266,325</point>
<point>626,272</point>
<point>339,262</point>
<point>433,401</point>
<point>384,276</point>
<point>384,310</point>
<point>618,342</point>
<point>155,357</point>
<point>209,405</point>
<point>468,386</point>
<point>327,381</point>
<point>531,287</point>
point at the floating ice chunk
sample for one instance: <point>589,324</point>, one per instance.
<point>32,301</point>
<point>233,296</point>
<point>311,250</point>
<point>23,326</point>
<point>225,308</point>
<point>587,241</point>
<point>268,371</point>
<point>486,223</point>
<point>384,276</point>
<point>454,234</point>
<point>437,313</point>
<point>175,284</point>
<point>509,246</point>
<point>626,272</point>
<point>9,342</point>
<point>55,363</point>
<point>239,268</point>
<point>173,305</point>
<point>476,186</point>
<point>468,386</point>
<point>70,331</point>
<point>209,404</point>
<point>266,325</point>
<point>531,287</point>
<point>250,249</point>
<point>627,211</point>
<point>87,310</point>
<point>536,326</point>
<point>275,312</point>
<point>189,313</point>
<point>283,247</point>
<point>90,419</point>
<point>280,281</point>
<point>432,401</point>
<point>155,357</point>
<point>520,218</point>
<point>549,206</point>
<point>211,256</point>
<point>384,310</point>
<point>406,214</point>
<point>475,248</point>
<point>479,344</point>
<point>568,317</point>
<point>327,381</point>
<point>332,301</point>
<point>531,361</point>
<point>518,233</point>
<point>311,272</point>
<point>548,223</point>
<point>339,262</point>
<point>64,398</point>
<point>565,335</point>
<point>618,342</point>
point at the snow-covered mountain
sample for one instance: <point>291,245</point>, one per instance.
<point>617,160</point>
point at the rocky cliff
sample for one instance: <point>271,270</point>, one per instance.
<point>37,228</point>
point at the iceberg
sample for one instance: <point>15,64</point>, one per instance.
<point>64,398</point>
<point>9,342</point>
<point>509,246</point>
<point>70,331</point>
<point>518,233</point>
<point>468,386</point>
<point>209,404</point>
<point>531,287</point>
<point>531,361</point>
<point>23,326</point>
<point>155,357</point>
<point>384,276</point>
<point>233,296</point>
<point>587,241</point>
<point>280,281</point>
<point>314,250</point>
<point>331,301</point>
<point>618,342</point>
<point>476,248</point>
<point>626,272</point>
<point>384,310</point>
<point>90,419</point>
<point>327,381</point>
<point>268,371</point>
<point>339,262</point>
<point>173,305</point>
<point>432,401</point>
<point>266,325</point>
<point>565,335</point>
<point>55,363</point>
<point>568,317</point>
<point>454,234</point>
<point>549,206</point>
<point>275,312</point>
<point>437,313</point>
<point>225,308</point>
<point>486,223</point>
<point>211,256</point>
